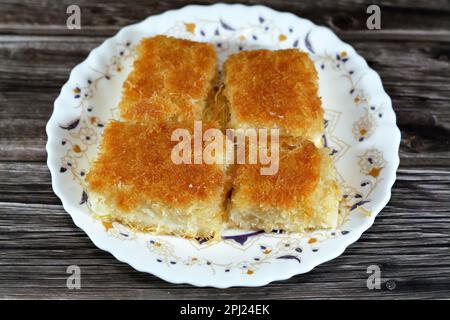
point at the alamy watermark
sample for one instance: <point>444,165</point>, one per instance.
<point>374,20</point>
<point>374,280</point>
<point>74,20</point>
<point>74,280</point>
<point>213,147</point>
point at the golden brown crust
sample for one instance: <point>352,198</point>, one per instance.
<point>134,167</point>
<point>303,194</point>
<point>274,89</point>
<point>171,79</point>
<point>135,181</point>
<point>296,179</point>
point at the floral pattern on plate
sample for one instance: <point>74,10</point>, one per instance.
<point>358,118</point>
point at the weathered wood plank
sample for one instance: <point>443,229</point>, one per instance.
<point>26,182</point>
<point>107,17</point>
<point>32,70</point>
<point>40,241</point>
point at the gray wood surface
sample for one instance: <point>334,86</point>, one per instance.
<point>410,239</point>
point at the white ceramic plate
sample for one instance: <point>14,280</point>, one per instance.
<point>360,130</point>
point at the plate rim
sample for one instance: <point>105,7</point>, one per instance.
<point>290,270</point>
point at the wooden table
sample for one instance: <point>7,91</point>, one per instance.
<point>410,239</point>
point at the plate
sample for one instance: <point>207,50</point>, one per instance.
<point>360,130</point>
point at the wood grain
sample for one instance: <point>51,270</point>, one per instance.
<point>410,240</point>
<point>106,17</point>
<point>38,66</point>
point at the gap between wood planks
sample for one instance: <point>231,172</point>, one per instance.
<point>17,33</point>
